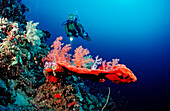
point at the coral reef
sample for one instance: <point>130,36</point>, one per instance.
<point>32,78</point>
<point>55,96</point>
<point>17,48</point>
<point>21,69</point>
<point>70,94</point>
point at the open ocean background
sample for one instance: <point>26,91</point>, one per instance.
<point>135,31</point>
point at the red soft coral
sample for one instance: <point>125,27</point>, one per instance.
<point>57,96</point>
<point>52,79</point>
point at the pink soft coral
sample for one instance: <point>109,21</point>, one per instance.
<point>59,53</point>
<point>79,59</point>
<point>109,65</point>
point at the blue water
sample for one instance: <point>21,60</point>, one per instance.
<point>135,31</point>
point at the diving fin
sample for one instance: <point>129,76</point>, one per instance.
<point>87,37</point>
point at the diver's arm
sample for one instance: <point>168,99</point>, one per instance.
<point>66,30</point>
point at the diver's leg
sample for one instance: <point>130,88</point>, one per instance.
<point>85,36</point>
<point>81,35</point>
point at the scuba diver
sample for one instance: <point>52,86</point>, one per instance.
<point>74,29</point>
